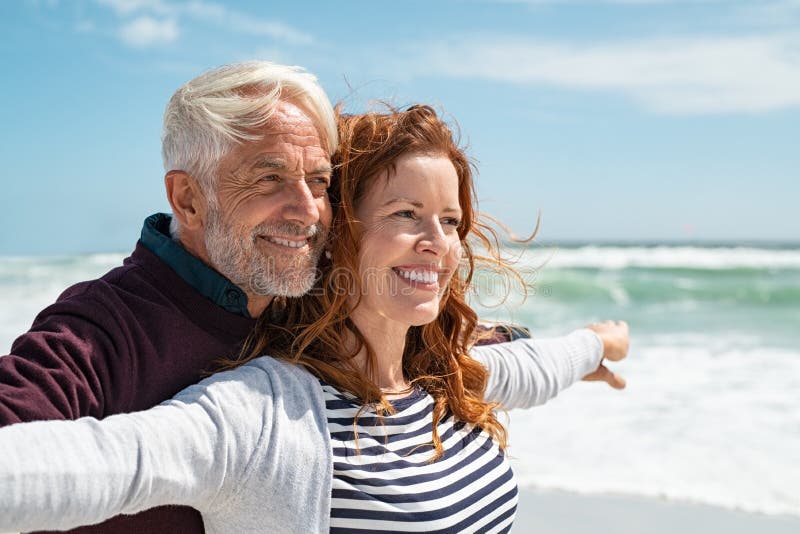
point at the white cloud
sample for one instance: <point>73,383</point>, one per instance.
<point>241,22</point>
<point>129,7</point>
<point>146,31</point>
<point>276,30</point>
<point>217,14</point>
<point>619,2</point>
<point>703,75</point>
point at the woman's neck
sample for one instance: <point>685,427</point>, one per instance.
<point>388,341</point>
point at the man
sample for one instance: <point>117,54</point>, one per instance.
<point>247,152</point>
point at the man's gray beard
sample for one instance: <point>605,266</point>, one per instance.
<point>234,253</point>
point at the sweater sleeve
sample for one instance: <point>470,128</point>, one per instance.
<point>190,450</point>
<point>60,368</point>
<point>529,372</point>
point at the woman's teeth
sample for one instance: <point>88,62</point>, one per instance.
<point>427,277</point>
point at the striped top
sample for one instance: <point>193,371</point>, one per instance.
<point>386,484</point>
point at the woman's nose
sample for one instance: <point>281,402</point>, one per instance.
<point>433,239</point>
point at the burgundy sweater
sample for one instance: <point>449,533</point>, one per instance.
<point>122,343</point>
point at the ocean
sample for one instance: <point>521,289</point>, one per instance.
<point>711,413</point>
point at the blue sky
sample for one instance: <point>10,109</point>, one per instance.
<point>618,119</point>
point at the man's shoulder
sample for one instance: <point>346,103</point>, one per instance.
<point>109,282</point>
<point>134,293</point>
<point>140,273</point>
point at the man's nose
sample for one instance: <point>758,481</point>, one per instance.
<point>301,207</point>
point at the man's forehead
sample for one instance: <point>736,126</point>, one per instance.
<point>287,118</point>
<point>299,135</point>
<point>290,111</point>
<point>295,138</point>
<point>283,161</point>
<point>284,154</point>
<point>289,136</point>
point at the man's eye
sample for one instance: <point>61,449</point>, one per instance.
<point>318,186</point>
<point>270,178</point>
<point>318,181</point>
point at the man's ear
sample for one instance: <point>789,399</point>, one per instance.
<point>186,198</point>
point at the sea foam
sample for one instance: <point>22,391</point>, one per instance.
<point>710,413</point>
<point>699,421</point>
<point>675,257</point>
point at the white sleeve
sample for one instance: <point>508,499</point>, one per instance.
<point>529,372</point>
<point>63,474</point>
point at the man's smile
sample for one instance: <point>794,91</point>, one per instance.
<point>290,243</point>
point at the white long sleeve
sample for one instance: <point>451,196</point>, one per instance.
<point>529,372</point>
<point>249,448</point>
<point>62,474</point>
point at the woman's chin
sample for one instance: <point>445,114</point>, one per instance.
<point>424,315</point>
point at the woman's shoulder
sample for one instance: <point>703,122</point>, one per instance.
<point>280,370</point>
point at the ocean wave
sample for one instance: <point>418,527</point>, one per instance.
<point>66,269</point>
<point>660,257</point>
<point>640,286</point>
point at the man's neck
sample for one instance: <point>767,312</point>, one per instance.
<point>256,304</point>
<point>189,263</point>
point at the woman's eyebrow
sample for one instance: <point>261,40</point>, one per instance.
<point>417,204</point>
<point>404,200</point>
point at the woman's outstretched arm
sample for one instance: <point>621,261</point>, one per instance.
<point>529,372</point>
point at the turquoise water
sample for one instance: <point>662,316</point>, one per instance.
<point>764,303</point>
<point>661,290</point>
<point>711,409</point>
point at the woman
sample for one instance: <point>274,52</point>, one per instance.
<point>370,417</point>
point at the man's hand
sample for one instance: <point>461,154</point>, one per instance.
<point>616,342</point>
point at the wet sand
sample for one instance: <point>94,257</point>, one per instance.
<point>550,512</point>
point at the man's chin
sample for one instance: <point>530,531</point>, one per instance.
<point>293,282</point>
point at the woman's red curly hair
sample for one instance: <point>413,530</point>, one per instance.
<point>316,331</point>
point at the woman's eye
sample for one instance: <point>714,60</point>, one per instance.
<point>451,221</point>
<point>405,214</point>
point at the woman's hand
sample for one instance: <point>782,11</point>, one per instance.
<point>616,342</point>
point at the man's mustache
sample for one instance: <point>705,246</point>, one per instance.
<point>286,229</point>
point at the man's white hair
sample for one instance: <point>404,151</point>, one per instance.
<point>221,108</point>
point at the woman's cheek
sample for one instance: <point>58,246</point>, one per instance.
<point>454,253</point>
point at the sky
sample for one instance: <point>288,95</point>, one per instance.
<point>616,120</point>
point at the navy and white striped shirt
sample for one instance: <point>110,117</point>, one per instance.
<point>385,483</point>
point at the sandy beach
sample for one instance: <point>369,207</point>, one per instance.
<point>544,512</point>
